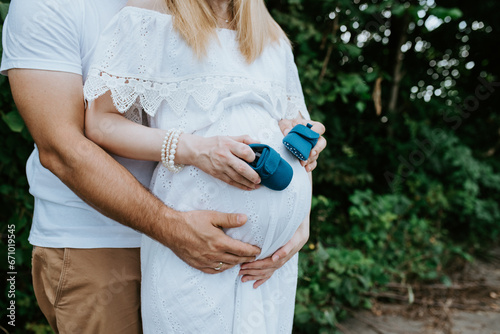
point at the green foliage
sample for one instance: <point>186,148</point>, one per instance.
<point>330,279</point>
<point>17,207</point>
<point>409,182</point>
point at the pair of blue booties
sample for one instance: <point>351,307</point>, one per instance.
<point>275,173</point>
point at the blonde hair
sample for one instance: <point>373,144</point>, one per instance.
<point>196,23</point>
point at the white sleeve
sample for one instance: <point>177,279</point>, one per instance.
<point>128,62</point>
<point>295,96</point>
<point>43,35</point>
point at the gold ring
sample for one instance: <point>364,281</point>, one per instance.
<point>219,266</point>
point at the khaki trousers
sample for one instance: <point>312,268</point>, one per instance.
<point>89,290</point>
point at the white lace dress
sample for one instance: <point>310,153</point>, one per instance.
<point>140,59</point>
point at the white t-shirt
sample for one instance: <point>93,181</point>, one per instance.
<point>61,35</point>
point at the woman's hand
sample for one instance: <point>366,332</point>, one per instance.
<point>223,157</point>
<point>261,270</point>
<point>286,125</point>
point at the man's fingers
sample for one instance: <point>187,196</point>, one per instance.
<point>230,245</point>
<point>227,220</point>
<point>228,262</point>
<point>231,260</point>
<point>244,251</point>
<point>213,271</point>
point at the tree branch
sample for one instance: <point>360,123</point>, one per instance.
<point>335,28</point>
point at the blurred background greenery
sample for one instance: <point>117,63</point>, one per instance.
<point>408,188</point>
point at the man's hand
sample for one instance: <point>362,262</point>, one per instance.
<point>286,125</point>
<point>197,238</point>
<point>223,157</point>
<point>261,270</point>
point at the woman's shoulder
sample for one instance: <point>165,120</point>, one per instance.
<point>155,5</point>
<point>136,14</point>
<point>150,8</point>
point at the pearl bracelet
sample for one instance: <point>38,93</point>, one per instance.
<point>164,161</point>
<point>168,150</point>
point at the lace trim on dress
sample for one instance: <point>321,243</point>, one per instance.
<point>205,91</point>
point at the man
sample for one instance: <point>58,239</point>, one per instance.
<point>86,270</point>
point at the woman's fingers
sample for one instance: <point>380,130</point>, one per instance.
<point>245,139</point>
<point>256,277</point>
<point>317,127</point>
<point>310,167</point>
<point>259,276</point>
<point>311,163</point>
<point>226,178</point>
<point>225,158</point>
<point>286,125</point>
<point>237,180</point>
<point>239,154</point>
<point>241,149</point>
<point>242,168</point>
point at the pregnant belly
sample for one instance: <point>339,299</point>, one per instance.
<point>273,216</point>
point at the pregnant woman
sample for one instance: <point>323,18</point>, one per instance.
<point>202,70</point>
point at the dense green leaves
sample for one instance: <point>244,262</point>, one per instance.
<point>408,92</point>
<point>14,121</point>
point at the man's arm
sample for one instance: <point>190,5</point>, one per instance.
<point>52,106</point>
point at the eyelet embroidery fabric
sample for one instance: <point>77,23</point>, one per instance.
<point>205,91</point>
<point>219,95</point>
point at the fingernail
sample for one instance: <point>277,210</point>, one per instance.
<point>314,152</point>
<point>275,257</point>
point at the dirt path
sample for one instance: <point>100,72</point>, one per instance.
<point>470,306</point>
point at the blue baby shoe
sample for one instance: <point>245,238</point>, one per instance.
<point>275,173</point>
<point>300,141</point>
